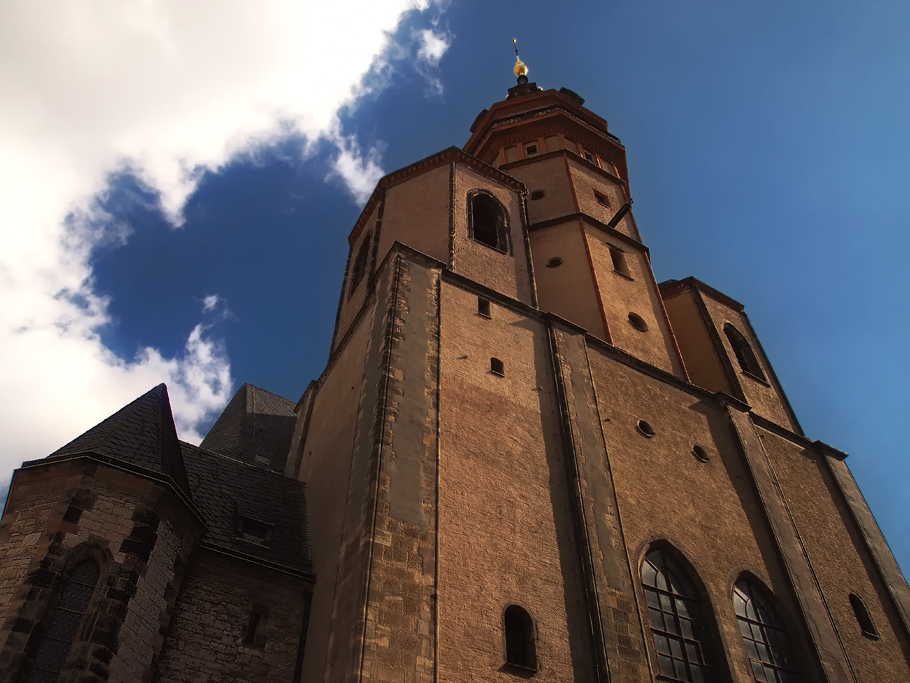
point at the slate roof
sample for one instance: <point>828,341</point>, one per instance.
<point>225,489</point>
<point>256,427</point>
<point>140,434</point>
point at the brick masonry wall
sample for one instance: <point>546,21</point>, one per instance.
<point>204,643</point>
<point>639,295</point>
<point>695,343</point>
<point>550,175</point>
<point>349,306</point>
<point>568,291</point>
<point>708,511</point>
<point>505,533</point>
<point>840,561</point>
<point>766,399</point>
<point>506,273</point>
<point>417,214</point>
<point>326,468</point>
<point>586,181</point>
<point>139,533</point>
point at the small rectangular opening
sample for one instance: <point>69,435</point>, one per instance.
<point>497,367</point>
<point>619,261</point>
<point>531,150</point>
<point>483,307</point>
<point>590,157</point>
<point>602,199</point>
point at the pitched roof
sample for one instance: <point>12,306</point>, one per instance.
<point>226,490</point>
<point>141,434</point>
<point>256,427</point>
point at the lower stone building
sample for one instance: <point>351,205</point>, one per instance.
<point>525,459</point>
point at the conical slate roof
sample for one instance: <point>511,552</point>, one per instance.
<point>141,434</point>
<point>255,427</point>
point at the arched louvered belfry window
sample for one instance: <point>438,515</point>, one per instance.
<point>748,361</point>
<point>521,648</point>
<point>62,622</point>
<point>677,623</point>
<point>487,221</point>
<point>763,633</point>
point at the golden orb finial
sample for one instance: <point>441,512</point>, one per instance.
<point>521,68</point>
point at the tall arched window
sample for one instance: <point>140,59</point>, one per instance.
<point>863,617</point>
<point>677,625</point>
<point>748,361</point>
<point>763,633</point>
<point>487,222</point>
<point>63,621</point>
<point>359,267</point>
<point>521,649</point>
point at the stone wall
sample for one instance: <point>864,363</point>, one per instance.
<point>138,532</point>
<point>205,641</point>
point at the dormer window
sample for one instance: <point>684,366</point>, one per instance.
<point>487,222</point>
<point>254,531</point>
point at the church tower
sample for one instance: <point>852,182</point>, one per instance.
<point>528,459</point>
<point>525,459</point>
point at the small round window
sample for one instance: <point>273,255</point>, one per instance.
<point>554,262</point>
<point>537,194</point>
<point>638,322</point>
<point>700,453</point>
<point>645,428</point>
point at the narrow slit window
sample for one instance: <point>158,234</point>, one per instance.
<point>483,307</point>
<point>521,649</point>
<point>863,617</point>
<point>256,626</point>
<point>619,261</point>
<point>497,367</point>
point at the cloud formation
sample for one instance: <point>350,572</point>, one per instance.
<point>164,91</point>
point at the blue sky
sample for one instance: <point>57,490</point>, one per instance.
<point>180,188</point>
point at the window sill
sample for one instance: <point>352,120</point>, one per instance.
<point>760,380</point>
<point>625,275</point>
<point>518,670</point>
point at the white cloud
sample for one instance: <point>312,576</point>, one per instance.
<point>433,46</point>
<point>360,172</point>
<point>210,302</point>
<point>165,90</point>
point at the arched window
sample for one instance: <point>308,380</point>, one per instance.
<point>763,633</point>
<point>63,621</point>
<point>521,650</point>
<point>359,267</point>
<point>743,352</point>
<point>677,626</point>
<point>863,617</point>
<point>487,222</point>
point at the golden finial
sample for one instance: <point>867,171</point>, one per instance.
<point>520,68</point>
